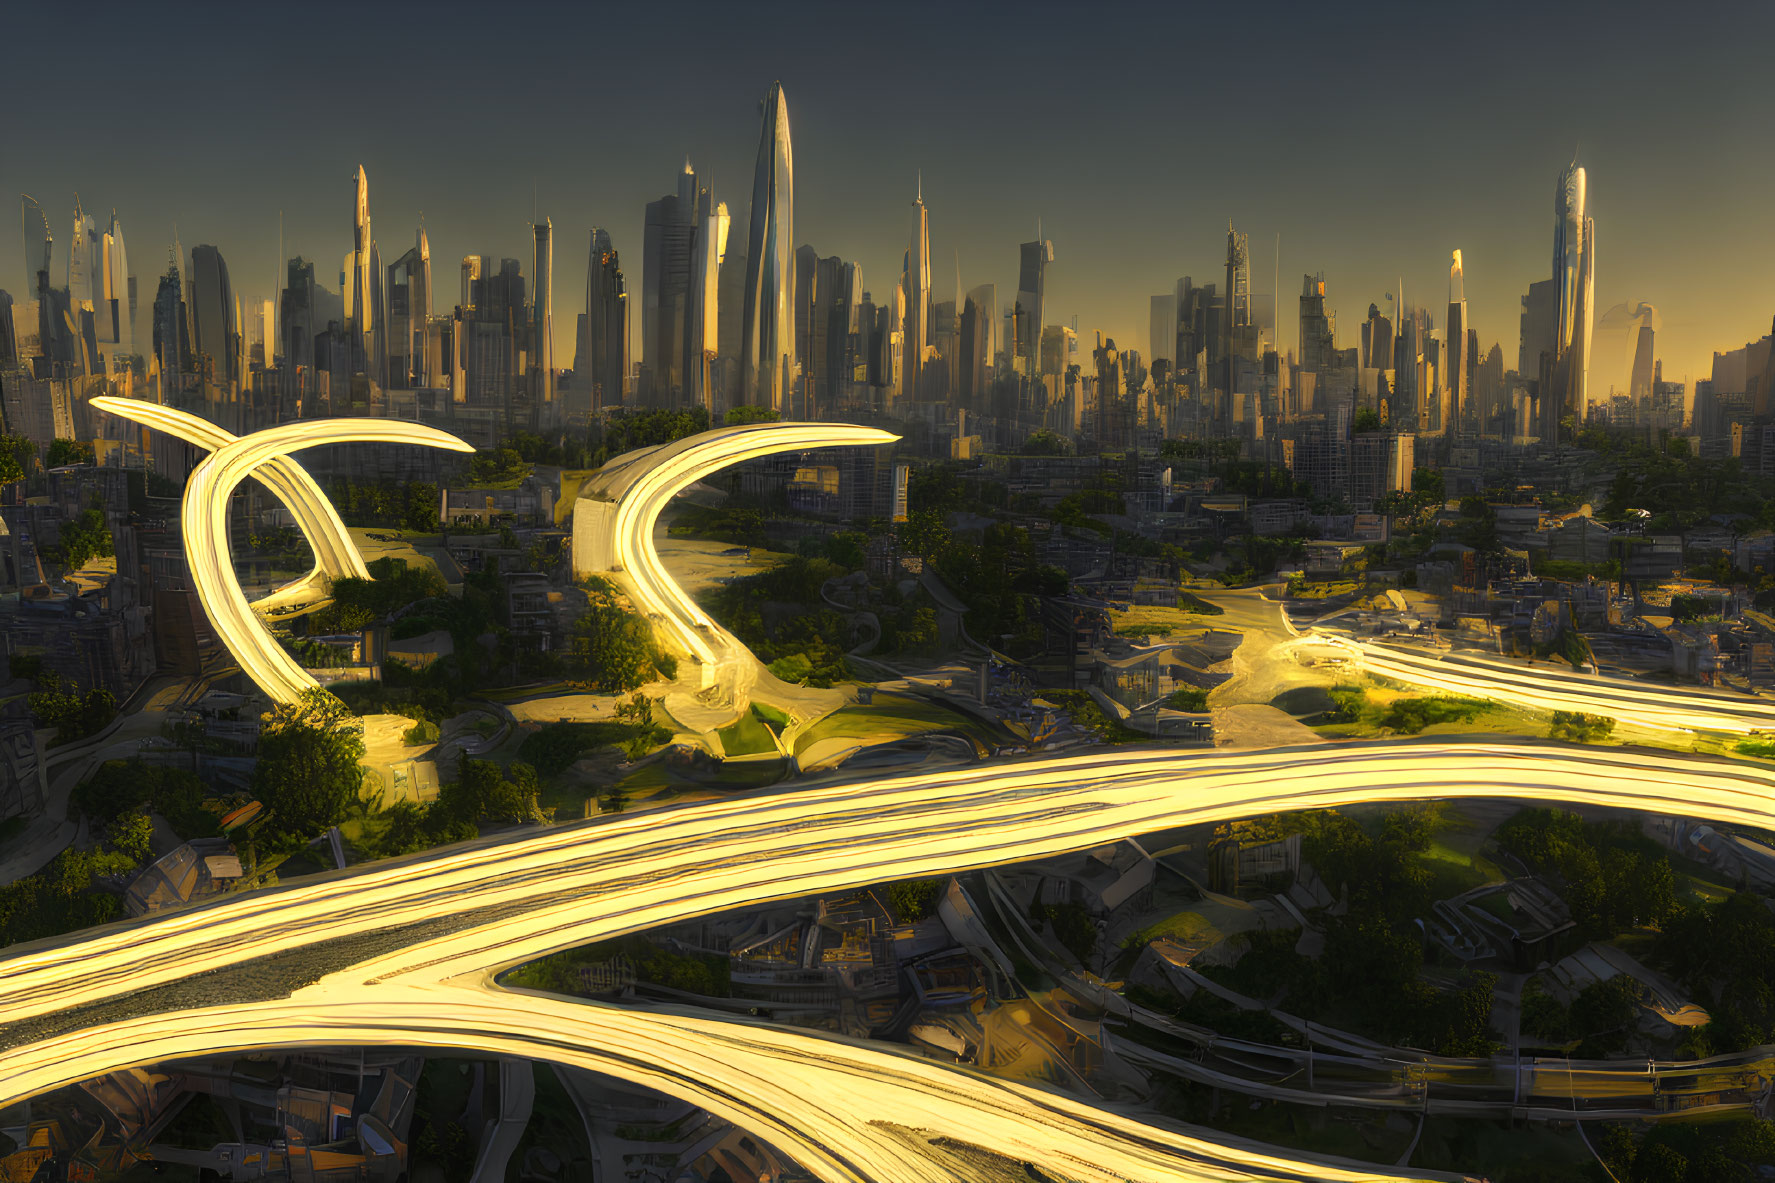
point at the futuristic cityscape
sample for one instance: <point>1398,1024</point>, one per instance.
<point>942,667</point>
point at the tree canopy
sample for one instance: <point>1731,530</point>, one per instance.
<point>309,772</point>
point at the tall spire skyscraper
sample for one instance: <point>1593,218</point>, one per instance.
<point>1574,277</point>
<point>363,284</point>
<point>1237,319</point>
<point>83,246</point>
<point>767,344</point>
<point>420,298</point>
<point>918,294</point>
<point>1457,402</point>
<point>120,290</point>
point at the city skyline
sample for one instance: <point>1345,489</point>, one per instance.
<point>1121,234</point>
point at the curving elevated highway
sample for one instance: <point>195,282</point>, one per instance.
<point>1664,708</point>
<point>335,555</point>
<point>204,513</point>
<point>820,1097</point>
<point>614,518</point>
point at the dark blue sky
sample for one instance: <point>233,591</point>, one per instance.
<point>1373,138</point>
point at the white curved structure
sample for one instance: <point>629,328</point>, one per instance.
<point>821,1098</point>
<point>613,520</point>
<point>335,555</point>
<point>204,517</point>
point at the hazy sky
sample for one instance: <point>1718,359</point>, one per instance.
<point>1372,138</point>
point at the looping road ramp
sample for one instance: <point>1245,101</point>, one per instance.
<point>614,518</point>
<point>204,517</point>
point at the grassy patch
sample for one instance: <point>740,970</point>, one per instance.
<point>1409,716</point>
<point>1189,698</point>
<point>771,717</point>
<point>1159,621</point>
<point>1452,872</point>
<point>889,717</point>
<point>1311,590</point>
<point>746,736</point>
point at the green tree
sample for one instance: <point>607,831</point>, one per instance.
<point>309,774</point>
<point>74,716</point>
<point>914,899</point>
<point>1578,727</point>
<point>69,452</point>
<point>1043,442</point>
<point>423,505</point>
<point>746,413</point>
<point>614,647</point>
<point>925,533</point>
<point>130,834</point>
<point>15,452</point>
<point>86,537</point>
<point>482,791</point>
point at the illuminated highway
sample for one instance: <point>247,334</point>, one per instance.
<point>335,555</point>
<point>1668,708</point>
<point>623,501</point>
<point>204,514</point>
<point>559,888</point>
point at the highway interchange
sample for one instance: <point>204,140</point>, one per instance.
<point>842,1109</point>
<point>814,1095</point>
<point>204,517</point>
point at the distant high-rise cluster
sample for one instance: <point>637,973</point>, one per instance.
<point>733,312</point>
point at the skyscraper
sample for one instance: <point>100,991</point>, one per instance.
<point>702,339</point>
<point>602,359</point>
<point>978,345</point>
<point>172,340</point>
<point>797,400</point>
<point>1574,276</point>
<point>767,345</point>
<point>120,288</point>
<point>1032,280</point>
<point>668,251</point>
<point>1114,426</point>
<point>472,267</point>
<point>98,276</point>
<point>1457,402</point>
<point>1236,326</point>
<point>826,358</point>
<point>405,325</point>
<point>542,325</point>
<point>363,285</point>
<point>1162,320</point>
<point>83,253</point>
<point>419,302</point>
<point>1316,348</point>
<point>297,315</point>
<point>214,333</point>
<point>918,295</point>
<point>1377,341</point>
